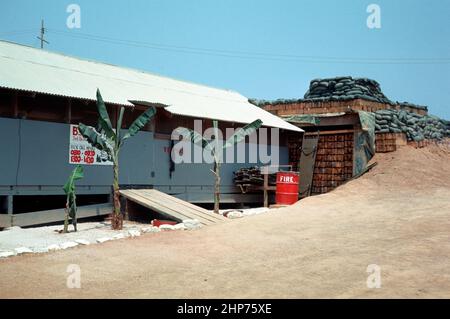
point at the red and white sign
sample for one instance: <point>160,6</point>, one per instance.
<point>81,152</point>
<point>287,178</point>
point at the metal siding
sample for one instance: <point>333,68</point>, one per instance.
<point>44,157</point>
<point>136,160</point>
<point>44,162</point>
<point>9,151</point>
<point>162,163</point>
<point>199,174</point>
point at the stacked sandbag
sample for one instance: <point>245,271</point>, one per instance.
<point>260,102</point>
<point>447,125</point>
<point>416,127</point>
<point>345,88</point>
<point>406,105</point>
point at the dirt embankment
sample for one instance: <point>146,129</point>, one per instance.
<point>397,216</point>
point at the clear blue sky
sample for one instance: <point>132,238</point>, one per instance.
<point>411,29</point>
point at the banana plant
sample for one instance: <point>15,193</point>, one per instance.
<point>71,203</point>
<point>105,138</point>
<point>216,150</point>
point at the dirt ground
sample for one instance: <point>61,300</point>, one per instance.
<point>397,216</point>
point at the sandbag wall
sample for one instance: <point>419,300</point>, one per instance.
<point>416,127</point>
<point>334,162</point>
<point>332,95</point>
<point>346,88</point>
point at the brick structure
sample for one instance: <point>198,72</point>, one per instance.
<point>385,143</point>
<point>334,162</point>
<point>389,142</point>
<point>321,107</point>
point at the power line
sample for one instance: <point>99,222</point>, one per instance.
<point>226,53</point>
<point>94,37</point>
<point>251,55</point>
<point>17,32</point>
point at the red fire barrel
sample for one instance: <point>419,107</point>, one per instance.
<point>287,188</point>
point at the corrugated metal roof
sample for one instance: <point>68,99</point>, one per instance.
<point>27,68</point>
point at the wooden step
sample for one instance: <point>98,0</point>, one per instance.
<point>171,206</point>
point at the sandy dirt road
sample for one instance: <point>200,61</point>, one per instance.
<point>396,216</point>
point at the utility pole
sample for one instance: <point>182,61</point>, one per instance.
<point>42,35</point>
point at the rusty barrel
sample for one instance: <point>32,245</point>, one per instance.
<point>287,188</point>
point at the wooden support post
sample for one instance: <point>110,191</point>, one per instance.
<point>115,114</point>
<point>266,186</point>
<point>10,208</point>
<point>152,125</point>
<point>124,205</point>
<point>10,204</point>
<point>15,105</point>
<point>68,117</point>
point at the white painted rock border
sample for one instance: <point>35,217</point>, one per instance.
<point>23,250</point>
<point>5,254</point>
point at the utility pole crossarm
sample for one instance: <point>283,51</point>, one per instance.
<point>42,35</point>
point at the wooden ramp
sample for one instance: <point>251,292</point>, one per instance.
<point>171,206</point>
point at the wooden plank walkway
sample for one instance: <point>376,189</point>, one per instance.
<point>171,206</point>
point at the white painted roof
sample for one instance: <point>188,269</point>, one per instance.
<point>30,69</point>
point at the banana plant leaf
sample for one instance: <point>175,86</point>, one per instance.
<point>139,123</point>
<point>119,124</point>
<point>77,173</point>
<point>104,120</point>
<point>241,133</point>
<point>94,138</point>
<point>193,136</point>
<point>69,189</point>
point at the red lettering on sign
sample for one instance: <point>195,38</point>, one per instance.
<point>89,160</point>
<point>75,159</point>
<point>286,179</point>
<point>75,152</point>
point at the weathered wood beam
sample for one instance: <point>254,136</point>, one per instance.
<point>10,204</point>
<point>68,116</point>
<point>330,132</point>
<point>15,104</point>
<point>57,215</point>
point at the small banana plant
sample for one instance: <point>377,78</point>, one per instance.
<point>217,151</point>
<point>71,202</point>
<point>105,138</point>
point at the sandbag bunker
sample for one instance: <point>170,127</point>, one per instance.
<point>346,121</point>
<point>346,88</point>
<point>346,95</point>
